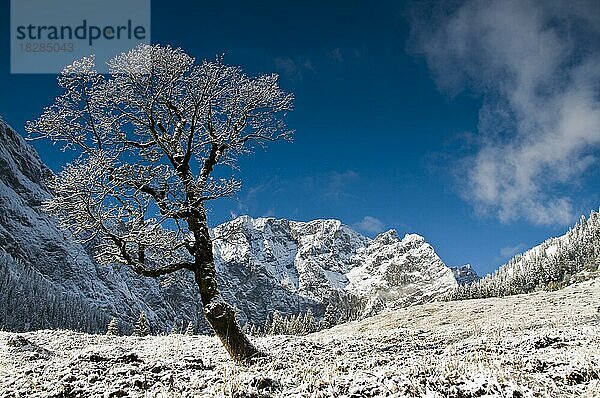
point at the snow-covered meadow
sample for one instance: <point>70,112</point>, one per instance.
<point>544,344</point>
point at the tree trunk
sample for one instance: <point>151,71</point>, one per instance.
<point>221,317</point>
<point>219,314</point>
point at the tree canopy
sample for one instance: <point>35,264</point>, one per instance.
<point>150,135</point>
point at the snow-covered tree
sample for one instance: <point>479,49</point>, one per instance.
<point>295,325</point>
<point>190,331</point>
<point>276,326</point>
<point>113,327</point>
<point>342,307</point>
<point>308,322</point>
<point>142,327</point>
<point>175,329</point>
<point>159,137</point>
<point>254,331</point>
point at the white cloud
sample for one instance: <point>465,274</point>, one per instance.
<point>536,65</point>
<point>269,213</point>
<point>336,55</point>
<point>289,68</point>
<point>510,251</point>
<point>294,69</point>
<point>370,225</point>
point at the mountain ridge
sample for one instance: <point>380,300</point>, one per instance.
<point>465,274</point>
<point>309,262</point>
<point>37,255</point>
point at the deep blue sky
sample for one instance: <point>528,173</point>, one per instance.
<point>375,135</point>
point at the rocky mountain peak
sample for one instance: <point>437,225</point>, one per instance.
<point>387,238</point>
<point>413,240</point>
<point>465,274</point>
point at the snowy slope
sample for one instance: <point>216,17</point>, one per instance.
<point>544,344</point>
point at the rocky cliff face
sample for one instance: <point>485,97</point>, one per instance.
<point>263,265</point>
<point>400,272</point>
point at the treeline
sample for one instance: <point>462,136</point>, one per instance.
<point>29,301</point>
<point>555,263</point>
<point>341,307</point>
<point>299,324</point>
<point>140,329</point>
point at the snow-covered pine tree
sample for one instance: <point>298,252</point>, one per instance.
<point>254,331</point>
<point>190,331</point>
<point>308,322</point>
<point>295,325</point>
<point>276,326</point>
<point>142,327</point>
<point>287,325</point>
<point>343,307</point>
<point>113,327</point>
<point>176,329</point>
<point>23,289</point>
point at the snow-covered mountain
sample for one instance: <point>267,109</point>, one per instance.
<point>263,265</point>
<point>465,274</point>
<point>267,264</point>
